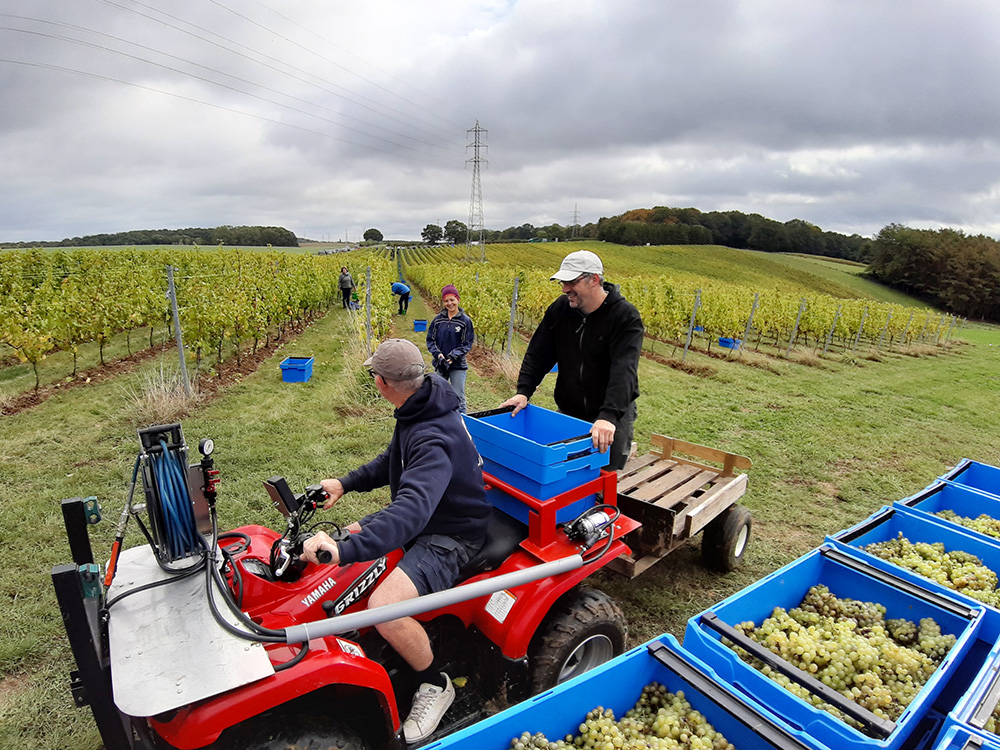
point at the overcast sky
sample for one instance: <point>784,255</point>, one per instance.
<point>328,117</point>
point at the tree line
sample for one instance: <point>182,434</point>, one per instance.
<point>954,271</point>
<point>689,226</point>
<point>245,236</point>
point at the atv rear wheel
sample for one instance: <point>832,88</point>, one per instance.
<point>725,539</point>
<point>585,629</point>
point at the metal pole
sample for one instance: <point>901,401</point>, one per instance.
<point>881,339</point>
<point>172,295</point>
<point>795,331</point>
<point>510,322</point>
<point>947,336</point>
<point>864,317</point>
<point>694,313</point>
<point>833,328</point>
<point>927,320</point>
<point>905,330</point>
<point>746,331</point>
<point>368,306</point>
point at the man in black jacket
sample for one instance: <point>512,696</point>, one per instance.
<point>595,336</point>
<point>438,508</point>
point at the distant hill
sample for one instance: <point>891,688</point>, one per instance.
<point>246,236</point>
<point>689,226</point>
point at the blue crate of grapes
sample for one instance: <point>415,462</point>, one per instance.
<point>671,691</point>
<point>975,475</point>
<point>976,512</point>
<point>837,623</point>
<point>931,551</point>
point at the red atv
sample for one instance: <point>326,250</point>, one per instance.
<point>227,640</point>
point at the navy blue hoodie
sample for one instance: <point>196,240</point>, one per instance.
<point>434,474</point>
<point>452,337</point>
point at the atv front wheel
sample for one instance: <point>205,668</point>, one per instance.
<point>724,540</point>
<point>301,733</point>
<point>585,629</point>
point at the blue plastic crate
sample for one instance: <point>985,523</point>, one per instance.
<point>296,369</point>
<point>617,685</point>
<point>957,498</point>
<point>976,703</point>
<point>848,577</point>
<point>917,526</point>
<point>536,434</point>
<point>955,736</point>
<point>728,343</point>
<point>975,475</point>
<point>582,466</point>
<point>419,324</point>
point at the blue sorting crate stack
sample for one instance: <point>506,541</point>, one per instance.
<point>296,369</point>
<point>976,476</point>
<point>846,576</point>
<point>540,452</point>
<point>617,685</point>
<point>917,527</point>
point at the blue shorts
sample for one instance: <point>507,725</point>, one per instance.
<point>434,560</point>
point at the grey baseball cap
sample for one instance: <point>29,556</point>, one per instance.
<point>576,264</point>
<point>397,359</point>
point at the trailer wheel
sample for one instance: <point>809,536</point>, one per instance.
<point>585,629</point>
<point>725,539</point>
<point>300,732</point>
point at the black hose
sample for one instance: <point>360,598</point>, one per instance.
<point>295,659</point>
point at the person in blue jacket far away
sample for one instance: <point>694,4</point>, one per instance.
<point>398,287</point>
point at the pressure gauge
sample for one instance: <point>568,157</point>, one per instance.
<point>206,446</point>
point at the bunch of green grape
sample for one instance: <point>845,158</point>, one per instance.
<point>984,524</point>
<point>850,646</point>
<point>992,724</point>
<point>660,720</point>
<point>958,570</point>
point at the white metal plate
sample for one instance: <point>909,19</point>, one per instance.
<point>166,648</point>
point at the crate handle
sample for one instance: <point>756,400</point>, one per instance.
<point>881,728</point>
<point>567,440</point>
<point>491,412</point>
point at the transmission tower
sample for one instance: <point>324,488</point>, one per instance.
<point>477,226</point>
<point>576,222</point>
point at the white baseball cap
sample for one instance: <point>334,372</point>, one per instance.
<point>576,264</point>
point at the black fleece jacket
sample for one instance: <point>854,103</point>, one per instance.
<point>597,354</point>
<point>434,474</point>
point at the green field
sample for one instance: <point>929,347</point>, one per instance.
<point>831,443</point>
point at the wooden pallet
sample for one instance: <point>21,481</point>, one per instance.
<point>674,491</point>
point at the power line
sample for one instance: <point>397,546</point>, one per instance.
<point>334,88</point>
<point>103,48</point>
<point>144,87</point>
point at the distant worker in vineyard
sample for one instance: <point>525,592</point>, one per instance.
<point>398,287</point>
<point>595,336</point>
<point>449,338</point>
<point>346,284</point>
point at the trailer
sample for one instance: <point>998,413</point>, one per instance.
<point>677,490</point>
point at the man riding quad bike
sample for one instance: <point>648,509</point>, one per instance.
<point>233,640</point>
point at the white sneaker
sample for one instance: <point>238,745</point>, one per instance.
<point>429,705</point>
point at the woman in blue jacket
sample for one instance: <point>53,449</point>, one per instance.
<point>449,338</point>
